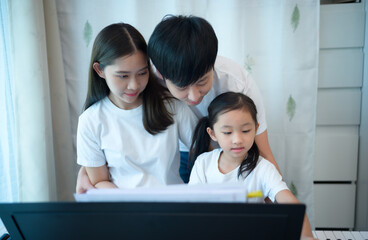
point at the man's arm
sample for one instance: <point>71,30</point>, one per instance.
<point>265,149</point>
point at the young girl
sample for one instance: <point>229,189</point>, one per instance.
<point>232,122</point>
<point>129,131</point>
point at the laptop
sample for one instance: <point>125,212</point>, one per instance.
<point>152,220</point>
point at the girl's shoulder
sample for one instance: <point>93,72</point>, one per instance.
<point>263,161</point>
<point>265,166</point>
<point>209,157</point>
<point>94,111</point>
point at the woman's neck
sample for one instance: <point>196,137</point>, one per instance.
<point>124,105</point>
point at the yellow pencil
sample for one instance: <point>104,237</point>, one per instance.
<point>255,194</point>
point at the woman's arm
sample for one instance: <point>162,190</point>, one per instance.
<point>285,196</point>
<point>100,177</point>
<point>265,149</point>
<point>83,182</point>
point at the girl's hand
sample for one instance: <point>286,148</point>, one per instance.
<point>83,181</point>
<point>308,238</point>
<point>285,196</point>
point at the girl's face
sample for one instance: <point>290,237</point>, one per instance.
<point>235,132</point>
<point>126,79</point>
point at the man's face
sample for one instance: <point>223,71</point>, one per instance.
<point>192,94</point>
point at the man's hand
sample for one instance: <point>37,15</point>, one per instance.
<point>83,182</point>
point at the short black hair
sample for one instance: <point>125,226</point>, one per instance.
<point>183,48</point>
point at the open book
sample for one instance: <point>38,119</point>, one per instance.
<point>227,193</point>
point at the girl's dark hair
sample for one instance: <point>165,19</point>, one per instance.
<point>223,103</point>
<point>183,48</point>
<point>115,41</point>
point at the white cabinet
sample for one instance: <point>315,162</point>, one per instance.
<point>342,67</point>
<point>342,25</point>
<point>334,205</point>
<point>338,114</point>
<point>336,146</point>
<point>338,106</point>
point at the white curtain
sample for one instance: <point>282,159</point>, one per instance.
<point>276,41</point>
<point>8,173</point>
<point>43,152</point>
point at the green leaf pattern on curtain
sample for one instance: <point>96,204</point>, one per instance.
<point>293,189</point>
<point>295,17</point>
<point>249,63</point>
<point>87,33</point>
<point>291,105</point>
<point>290,108</point>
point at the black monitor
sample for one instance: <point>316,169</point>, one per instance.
<point>152,220</point>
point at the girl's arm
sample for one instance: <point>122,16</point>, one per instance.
<point>100,177</point>
<point>265,149</point>
<point>285,196</point>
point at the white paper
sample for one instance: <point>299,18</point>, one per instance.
<point>228,193</point>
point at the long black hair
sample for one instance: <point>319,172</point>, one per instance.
<point>115,41</point>
<point>223,103</point>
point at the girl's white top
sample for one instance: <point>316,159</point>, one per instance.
<point>264,177</point>
<point>135,158</point>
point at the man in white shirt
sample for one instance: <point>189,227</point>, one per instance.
<point>184,52</point>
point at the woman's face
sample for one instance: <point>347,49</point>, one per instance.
<point>126,78</point>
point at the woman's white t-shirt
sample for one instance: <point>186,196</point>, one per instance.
<point>135,158</point>
<point>264,177</point>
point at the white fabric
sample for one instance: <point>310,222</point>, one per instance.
<point>8,168</point>
<point>135,158</point>
<point>43,152</point>
<point>264,177</point>
<point>63,150</point>
<point>230,76</point>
